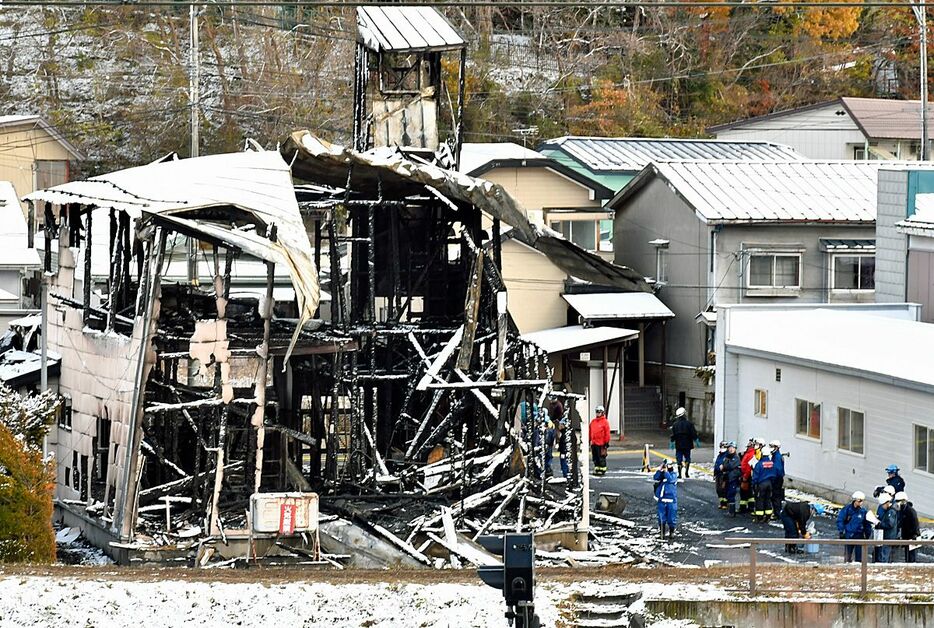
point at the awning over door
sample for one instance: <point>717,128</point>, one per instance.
<point>560,339</point>
<point>615,306</point>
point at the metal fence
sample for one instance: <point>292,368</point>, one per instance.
<point>865,544</point>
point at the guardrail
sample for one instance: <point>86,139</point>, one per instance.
<point>865,544</point>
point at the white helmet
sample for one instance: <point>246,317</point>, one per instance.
<point>884,498</point>
<point>889,490</point>
<point>775,444</point>
<point>859,496</point>
<point>600,410</point>
<point>901,496</point>
<point>766,451</point>
<point>680,412</point>
<point>760,441</point>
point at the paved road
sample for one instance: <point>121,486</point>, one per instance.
<point>702,526</point>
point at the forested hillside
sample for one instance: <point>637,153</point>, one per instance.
<point>115,80</point>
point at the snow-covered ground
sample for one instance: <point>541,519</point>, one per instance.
<point>48,601</point>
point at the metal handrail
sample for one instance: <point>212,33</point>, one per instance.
<point>864,558</point>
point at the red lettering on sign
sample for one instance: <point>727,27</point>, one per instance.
<point>287,518</point>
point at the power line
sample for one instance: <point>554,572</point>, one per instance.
<point>609,4</point>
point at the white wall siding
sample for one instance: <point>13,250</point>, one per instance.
<point>890,412</point>
<point>817,133</point>
<point>891,246</point>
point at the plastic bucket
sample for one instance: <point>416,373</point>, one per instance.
<point>811,548</point>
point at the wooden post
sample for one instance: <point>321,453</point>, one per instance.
<point>864,561</point>
<point>641,355</point>
<point>752,568</point>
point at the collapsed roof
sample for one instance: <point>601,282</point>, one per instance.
<point>317,160</point>
<point>255,182</point>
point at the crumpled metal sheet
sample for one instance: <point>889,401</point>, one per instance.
<point>319,161</point>
<point>257,182</point>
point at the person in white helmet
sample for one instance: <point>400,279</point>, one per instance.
<point>852,524</point>
<point>684,438</point>
<point>888,523</point>
<point>599,440</point>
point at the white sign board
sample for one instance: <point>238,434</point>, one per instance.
<point>284,513</point>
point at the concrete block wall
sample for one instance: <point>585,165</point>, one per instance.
<point>98,374</point>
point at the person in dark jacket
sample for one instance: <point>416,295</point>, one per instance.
<point>852,524</point>
<point>731,468</point>
<point>684,438</point>
<point>909,527</point>
<point>894,480</point>
<point>795,516</point>
<point>778,484</point>
<point>888,523</point>
<point>763,476</point>
<point>719,478</point>
<point>666,492</point>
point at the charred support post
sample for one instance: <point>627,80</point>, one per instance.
<point>262,372</point>
<point>124,519</point>
<point>459,130</point>
<point>87,268</point>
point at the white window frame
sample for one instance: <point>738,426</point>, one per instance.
<point>833,272</point>
<point>594,224</point>
<point>928,469</point>
<point>773,254</point>
<point>851,411</point>
<point>756,405</point>
<point>807,433</point>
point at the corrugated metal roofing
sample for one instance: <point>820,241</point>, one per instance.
<point>405,28</point>
<point>769,191</point>
<point>633,154</point>
<point>560,339</point>
<point>618,306</point>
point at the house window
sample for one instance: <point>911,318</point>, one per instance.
<point>807,418</point>
<point>606,235</point>
<point>583,233</point>
<point>924,449</point>
<point>661,264</point>
<point>775,270</point>
<point>850,430</point>
<point>854,272</point>
<point>64,413</point>
<point>50,173</point>
<point>761,403</point>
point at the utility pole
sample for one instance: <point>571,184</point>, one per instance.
<point>920,11</point>
<point>194,97</point>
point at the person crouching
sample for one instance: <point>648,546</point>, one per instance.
<point>795,517</point>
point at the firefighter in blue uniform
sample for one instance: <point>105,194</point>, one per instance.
<point>666,492</point>
<point>763,475</point>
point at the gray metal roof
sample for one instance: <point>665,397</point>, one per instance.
<point>634,154</point>
<point>406,28</point>
<point>768,191</point>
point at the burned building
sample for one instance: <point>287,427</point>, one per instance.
<point>212,426</point>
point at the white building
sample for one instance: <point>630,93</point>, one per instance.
<point>847,389</point>
<point>844,128</point>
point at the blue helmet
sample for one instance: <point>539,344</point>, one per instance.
<point>892,468</point>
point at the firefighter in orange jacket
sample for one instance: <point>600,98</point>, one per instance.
<point>599,440</point>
